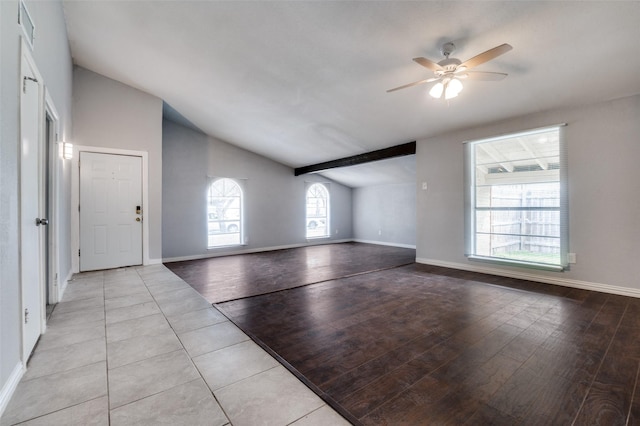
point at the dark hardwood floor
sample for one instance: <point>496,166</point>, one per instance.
<point>227,278</point>
<point>421,345</point>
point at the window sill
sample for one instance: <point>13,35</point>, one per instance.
<point>517,263</point>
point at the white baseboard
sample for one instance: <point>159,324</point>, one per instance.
<point>565,282</point>
<point>63,285</point>
<point>254,250</point>
<point>384,243</point>
<point>10,386</point>
<point>153,262</point>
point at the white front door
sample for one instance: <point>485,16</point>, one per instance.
<point>32,222</point>
<point>110,211</point>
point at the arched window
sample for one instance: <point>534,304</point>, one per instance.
<point>317,211</point>
<point>224,213</point>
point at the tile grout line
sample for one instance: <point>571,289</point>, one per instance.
<point>55,411</point>
<point>133,362</point>
<point>211,391</point>
<point>201,377</point>
<point>324,397</point>
<point>106,351</point>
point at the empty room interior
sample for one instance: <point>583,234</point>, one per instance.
<point>319,213</point>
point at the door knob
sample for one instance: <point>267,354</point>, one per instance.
<point>41,221</point>
<point>138,219</point>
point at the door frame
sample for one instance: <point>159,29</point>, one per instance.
<point>75,199</point>
<point>54,192</point>
<point>25,52</point>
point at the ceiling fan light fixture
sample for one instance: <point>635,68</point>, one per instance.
<point>451,88</point>
<point>436,90</point>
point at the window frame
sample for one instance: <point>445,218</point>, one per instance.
<point>327,217</point>
<point>470,208</point>
<point>240,220</point>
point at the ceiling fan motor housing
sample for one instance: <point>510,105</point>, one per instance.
<point>449,65</point>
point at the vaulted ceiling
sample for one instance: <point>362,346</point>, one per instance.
<point>305,82</point>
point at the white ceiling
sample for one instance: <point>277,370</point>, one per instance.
<point>305,82</point>
<point>382,172</point>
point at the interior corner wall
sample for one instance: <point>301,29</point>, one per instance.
<point>109,114</point>
<point>53,59</point>
<point>603,183</point>
<point>274,197</point>
<point>385,214</point>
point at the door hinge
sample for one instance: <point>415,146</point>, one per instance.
<point>26,315</point>
<point>78,252</point>
<point>24,83</point>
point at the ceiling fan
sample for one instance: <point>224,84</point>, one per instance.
<point>449,71</point>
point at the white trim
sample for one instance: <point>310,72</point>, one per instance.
<point>516,134</point>
<point>63,285</point>
<point>54,193</point>
<point>384,243</point>
<point>27,54</point>
<point>241,185</point>
<point>10,386</point>
<point>247,251</point>
<point>565,282</point>
<point>29,37</point>
<point>327,187</point>
<point>75,198</point>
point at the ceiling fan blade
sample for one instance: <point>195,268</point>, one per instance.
<point>483,75</point>
<point>428,64</point>
<point>486,56</point>
<point>428,80</point>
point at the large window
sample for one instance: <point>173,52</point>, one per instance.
<point>516,199</point>
<point>224,213</point>
<point>317,211</point>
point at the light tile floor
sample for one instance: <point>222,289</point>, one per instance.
<point>137,346</point>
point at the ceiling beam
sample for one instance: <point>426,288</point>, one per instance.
<point>496,156</point>
<point>367,157</point>
<point>544,165</point>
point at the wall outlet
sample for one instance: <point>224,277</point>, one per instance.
<point>379,231</point>
<point>571,257</point>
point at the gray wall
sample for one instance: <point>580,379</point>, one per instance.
<point>51,53</point>
<point>109,114</point>
<point>274,197</point>
<point>385,214</point>
<point>604,188</point>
